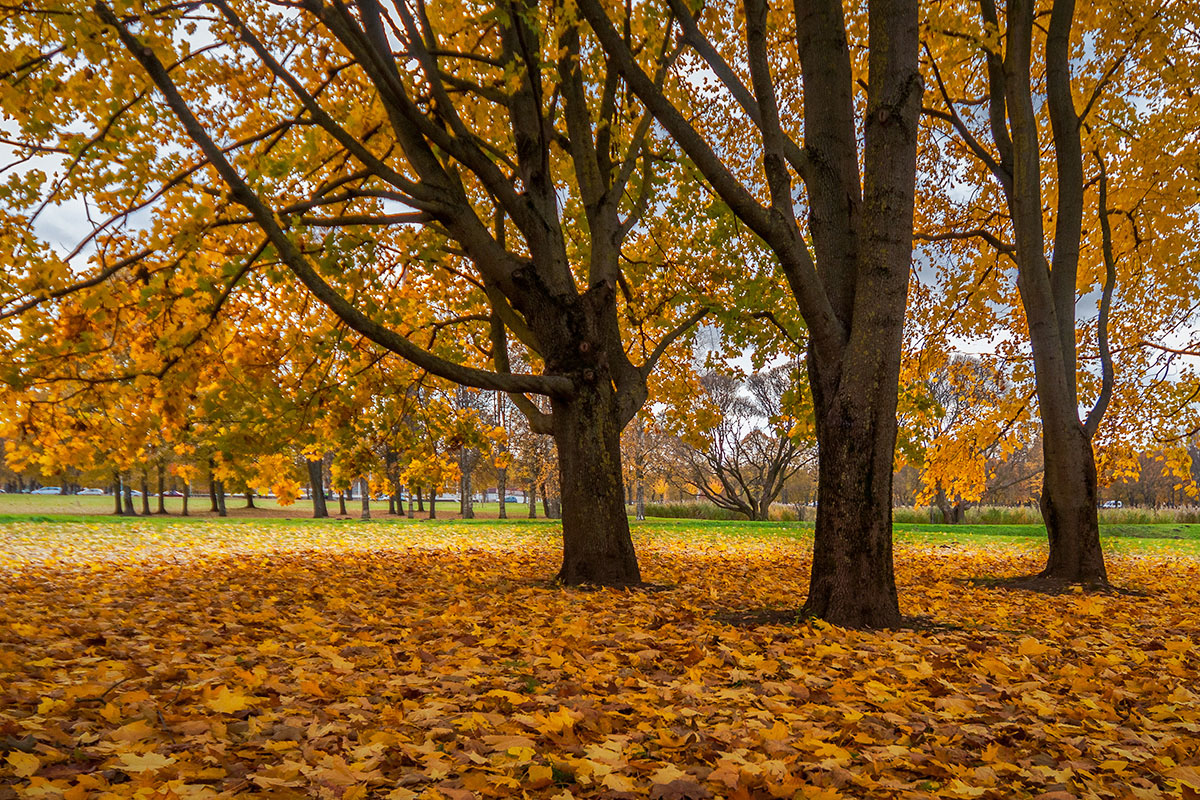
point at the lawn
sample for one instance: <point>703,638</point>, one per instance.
<point>433,660</point>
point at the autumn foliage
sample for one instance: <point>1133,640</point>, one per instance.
<point>431,661</point>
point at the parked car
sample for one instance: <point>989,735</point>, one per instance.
<point>511,499</point>
<point>173,493</point>
<point>91,490</point>
<point>1112,504</point>
<point>48,490</point>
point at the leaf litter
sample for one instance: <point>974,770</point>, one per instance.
<point>433,661</point>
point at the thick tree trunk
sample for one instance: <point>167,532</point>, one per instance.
<point>221,510</point>
<point>501,488</point>
<point>420,503</point>
<point>533,501</point>
<point>127,492</point>
<point>944,507</point>
<point>433,503</point>
<point>250,499</point>
<point>342,503</point>
<point>317,487</point>
<point>365,488</point>
<point>853,583</point>
<point>597,547</point>
<point>546,502</point>
<point>162,487</point>
<point>187,494</point>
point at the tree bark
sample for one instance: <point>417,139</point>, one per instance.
<point>420,503</point>
<point>250,498</point>
<point>466,504</point>
<point>145,492</point>
<point>501,488</point>
<point>597,547</point>
<point>212,489</point>
<point>533,501</point>
<point>117,509</point>
<point>365,488</point>
<point>342,503</point>
<point>127,492</point>
<point>221,510</point>
<point>852,581</point>
<point>317,489</point>
<point>433,503</point>
<point>162,487</point>
<point>187,494</point>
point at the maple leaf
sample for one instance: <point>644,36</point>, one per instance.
<point>144,762</point>
<point>224,700</point>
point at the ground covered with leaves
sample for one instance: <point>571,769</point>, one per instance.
<point>433,661</point>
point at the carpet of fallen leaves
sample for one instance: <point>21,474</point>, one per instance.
<point>433,661</point>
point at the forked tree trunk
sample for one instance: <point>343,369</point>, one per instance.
<point>317,487</point>
<point>597,547</point>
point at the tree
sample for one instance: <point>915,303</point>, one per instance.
<point>1038,82</point>
<point>744,460</point>
<point>376,155</point>
<point>848,267</point>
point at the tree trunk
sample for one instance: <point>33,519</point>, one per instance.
<point>943,505</point>
<point>420,503</point>
<point>162,487</point>
<point>250,498</point>
<point>392,500</point>
<point>187,494</point>
<point>221,511</point>
<point>533,500</point>
<point>853,583</point>
<point>597,547</point>
<point>212,489</point>
<point>433,503</point>
<point>410,504</point>
<point>145,492</point>
<point>127,491</point>
<point>317,488</point>
<point>501,488</point>
<point>546,502</point>
<point>466,504</point>
<point>117,509</point>
<point>342,503</point>
<point>1069,497</point>
<point>365,487</point>
<point>640,508</point>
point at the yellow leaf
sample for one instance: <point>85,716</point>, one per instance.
<point>227,702</point>
<point>1031,647</point>
<point>24,764</point>
<point>617,783</point>
<point>136,762</point>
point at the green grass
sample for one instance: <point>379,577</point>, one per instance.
<point>1123,537</point>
